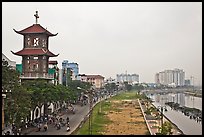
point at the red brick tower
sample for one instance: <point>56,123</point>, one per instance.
<point>35,53</point>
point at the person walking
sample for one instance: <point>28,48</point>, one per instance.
<point>39,126</point>
<point>45,126</point>
<point>68,128</point>
<point>67,121</point>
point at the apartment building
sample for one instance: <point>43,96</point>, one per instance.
<point>174,77</point>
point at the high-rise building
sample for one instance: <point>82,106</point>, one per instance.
<point>130,78</point>
<point>75,70</point>
<point>70,72</point>
<point>174,77</point>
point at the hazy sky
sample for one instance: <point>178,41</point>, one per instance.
<point>112,38</point>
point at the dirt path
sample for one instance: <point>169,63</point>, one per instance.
<point>127,119</point>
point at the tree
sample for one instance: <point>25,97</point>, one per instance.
<point>138,87</point>
<point>111,86</point>
<point>166,128</point>
<point>10,77</point>
<point>77,83</point>
<point>17,103</point>
<point>44,93</point>
<point>127,86</point>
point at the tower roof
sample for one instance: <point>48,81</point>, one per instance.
<point>95,76</point>
<point>54,62</point>
<point>29,51</point>
<point>35,29</point>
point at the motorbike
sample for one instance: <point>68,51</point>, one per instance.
<point>58,126</point>
<point>68,128</point>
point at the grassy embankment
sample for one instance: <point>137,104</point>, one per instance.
<point>99,116</point>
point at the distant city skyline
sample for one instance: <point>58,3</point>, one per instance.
<point>110,38</point>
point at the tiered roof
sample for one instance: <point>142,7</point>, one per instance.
<point>30,51</point>
<point>35,29</point>
<point>53,62</point>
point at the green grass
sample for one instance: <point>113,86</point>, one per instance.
<point>99,119</point>
<point>127,95</point>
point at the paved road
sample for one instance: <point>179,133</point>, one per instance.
<point>81,113</point>
<point>75,120</point>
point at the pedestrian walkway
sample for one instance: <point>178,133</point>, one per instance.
<point>153,123</point>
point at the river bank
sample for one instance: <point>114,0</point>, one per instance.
<point>176,129</point>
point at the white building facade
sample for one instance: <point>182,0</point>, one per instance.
<point>130,78</point>
<point>174,77</point>
<point>10,63</point>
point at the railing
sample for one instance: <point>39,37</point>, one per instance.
<point>37,75</point>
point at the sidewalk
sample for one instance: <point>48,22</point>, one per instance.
<point>153,123</point>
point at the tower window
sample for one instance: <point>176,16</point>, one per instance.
<point>36,42</point>
<point>44,43</point>
<point>44,57</point>
<point>28,41</point>
<point>35,66</point>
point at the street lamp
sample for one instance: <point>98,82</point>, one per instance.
<point>162,108</point>
<point>90,93</point>
<point>3,97</point>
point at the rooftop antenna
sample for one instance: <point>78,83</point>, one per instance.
<point>36,17</point>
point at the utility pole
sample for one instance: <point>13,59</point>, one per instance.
<point>3,98</point>
<point>90,94</point>
<point>90,111</point>
<point>162,115</point>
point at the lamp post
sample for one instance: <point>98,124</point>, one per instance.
<point>90,115</point>
<point>100,110</point>
<point>90,93</point>
<point>162,108</point>
<point>3,97</point>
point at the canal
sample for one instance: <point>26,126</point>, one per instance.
<point>184,123</point>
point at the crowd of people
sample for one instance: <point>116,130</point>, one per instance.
<point>57,121</point>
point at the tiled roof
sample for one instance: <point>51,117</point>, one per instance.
<point>53,62</point>
<point>35,28</point>
<point>95,76</point>
<point>29,51</point>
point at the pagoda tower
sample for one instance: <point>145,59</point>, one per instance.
<point>35,53</point>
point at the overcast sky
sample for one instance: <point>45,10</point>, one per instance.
<point>112,38</point>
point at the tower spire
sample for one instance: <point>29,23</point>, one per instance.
<point>36,17</point>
